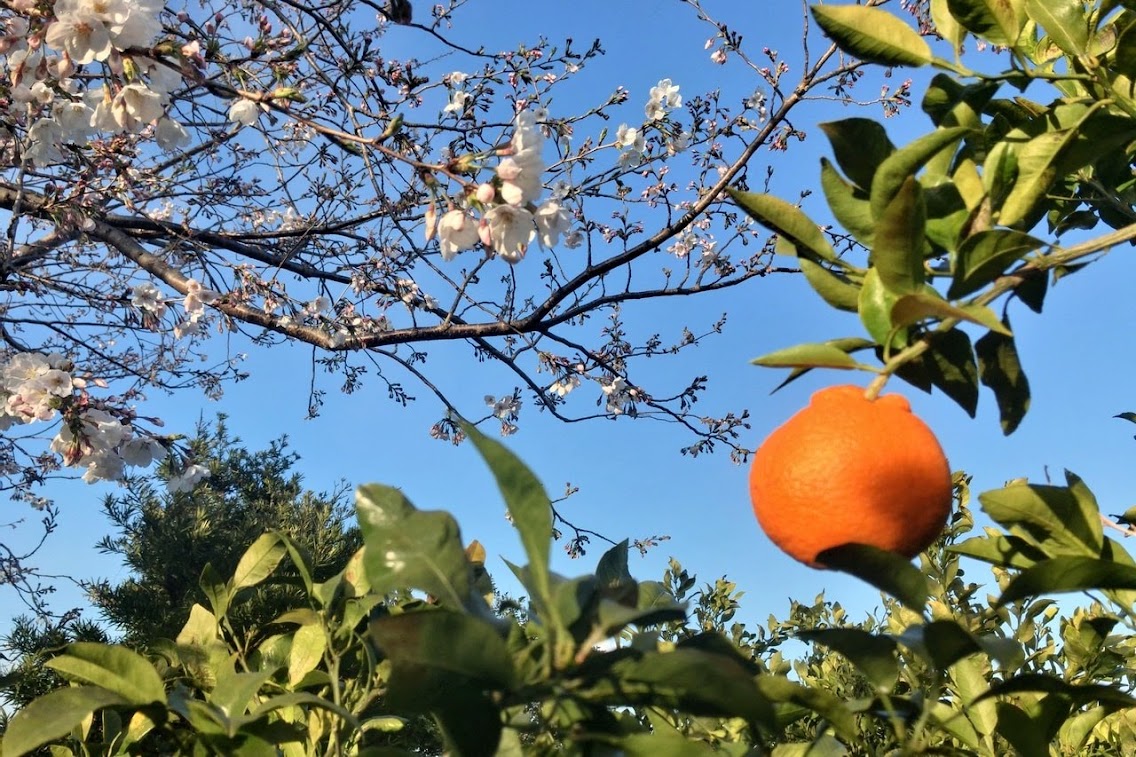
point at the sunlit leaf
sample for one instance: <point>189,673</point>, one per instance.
<point>787,220</point>
<point>53,715</point>
<point>872,35</point>
<point>258,561</point>
<point>997,21</point>
<point>985,256</point>
<point>114,668</point>
<point>1065,574</point>
<point>897,247</point>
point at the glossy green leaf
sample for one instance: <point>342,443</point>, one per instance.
<point>1037,163</point>
<point>1000,369</point>
<point>1054,518</point>
<point>114,668</point>
<point>952,368</point>
<point>1064,22</point>
<point>784,692</point>
<point>947,215</point>
<point>234,692</point>
<point>817,355</point>
<point>788,221</point>
<point>1065,574</point>
<point>942,642</point>
<point>906,162</point>
<point>53,715</point>
<point>874,656</point>
<point>875,307</point>
<point>872,35</point>
<point>997,21</point>
<point>1020,730</point>
<point>859,145</point>
<point>258,561</point>
<point>409,548</point>
<point>890,573</point>
<point>612,617</point>
<point>897,247</point>
<point>430,649</point>
<point>846,345</point>
<point>1075,732</point>
<point>970,677</point>
<point>985,256</point>
<point>527,501</point>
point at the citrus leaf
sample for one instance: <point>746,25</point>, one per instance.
<point>1080,694</point>
<point>814,355</point>
<point>258,561</point>
<point>786,220</point>
<point>1056,519</point>
<point>528,503</point>
<point>837,291</point>
<point>913,308</point>
<point>953,370</point>
<point>848,204</point>
<point>996,21</point>
<point>1000,369</point>
<point>872,655</point>
<point>859,145</point>
<point>945,24</point>
<point>784,692</point>
<point>1031,291</point>
<point>906,162</point>
<point>897,247</point>
<point>1006,551</point>
<point>411,549</point>
<point>1063,21</point>
<point>875,308</point>
<point>890,573</point>
<point>1037,170</point>
<point>872,35</point>
<point>986,255</point>
<point>845,344</point>
<point>114,668</point>
<point>53,716</point>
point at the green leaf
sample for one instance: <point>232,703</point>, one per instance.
<point>234,691</point>
<point>1130,417</point>
<point>527,502</point>
<point>844,344</point>
<point>872,35</point>
<point>1000,369</point>
<point>897,247</point>
<point>906,162</point>
<point>913,308</point>
<point>1064,574</point>
<point>612,617</point>
<point>952,368</point>
<point>849,205</point>
<point>308,645</point>
<point>821,355</point>
<point>1080,694</point>
<point>859,145</point>
<point>1031,291</point>
<point>890,573</point>
<point>409,548</point>
<point>837,291</point>
<point>874,656</point>
<point>1062,521</point>
<point>787,693</point>
<point>613,578</point>
<point>430,647</point>
<point>114,668</point>
<point>945,24</point>
<point>53,716</point>
<point>997,21</point>
<point>215,590</point>
<point>692,680</point>
<point>970,677</point>
<point>986,255</point>
<point>943,642</point>
<point>258,561</point>
<point>1020,730</point>
<point>1006,551</point>
<point>1125,54</point>
<point>875,306</point>
<point>1037,169</point>
<point>788,221</point>
<point>1063,21</point>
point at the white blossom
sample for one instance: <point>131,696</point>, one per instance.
<point>457,231</point>
<point>188,479</point>
<point>552,220</point>
<point>147,296</point>
<point>511,231</point>
<point>244,112</point>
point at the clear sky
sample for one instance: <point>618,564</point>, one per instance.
<point>633,482</point>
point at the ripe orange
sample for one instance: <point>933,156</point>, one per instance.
<point>847,469</point>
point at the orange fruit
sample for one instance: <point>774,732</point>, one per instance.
<point>847,469</point>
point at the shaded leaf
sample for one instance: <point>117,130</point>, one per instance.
<point>872,655</point>
<point>1065,574</point>
<point>836,290</point>
<point>1063,21</point>
<point>849,205</point>
<point>996,21</point>
<point>859,145</point>
<point>788,221</point>
<point>953,370</point>
<point>1000,369</point>
<point>890,573</point>
<point>986,255</point>
<point>1006,551</point>
<point>1051,517</point>
<point>1079,694</point>
<point>913,308</point>
<point>906,162</point>
<point>875,307</point>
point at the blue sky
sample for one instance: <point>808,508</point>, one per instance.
<point>632,480</point>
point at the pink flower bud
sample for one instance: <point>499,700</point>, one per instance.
<point>431,221</point>
<point>483,232</point>
<point>486,193</point>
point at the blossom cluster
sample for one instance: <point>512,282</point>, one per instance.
<point>37,387</point>
<point>56,107</point>
<point>511,221</point>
